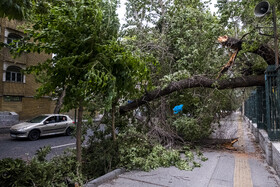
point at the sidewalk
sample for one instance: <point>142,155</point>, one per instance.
<point>244,167</point>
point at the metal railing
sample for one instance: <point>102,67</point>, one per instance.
<point>261,108</point>
<point>263,105</point>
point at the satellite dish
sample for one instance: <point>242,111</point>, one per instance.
<point>262,9</point>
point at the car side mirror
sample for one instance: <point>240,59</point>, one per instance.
<point>46,122</point>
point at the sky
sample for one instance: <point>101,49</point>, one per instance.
<point>121,10</point>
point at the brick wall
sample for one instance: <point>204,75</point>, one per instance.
<point>29,106</point>
<point>11,106</point>
<point>33,107</point>
<point>31,85</point>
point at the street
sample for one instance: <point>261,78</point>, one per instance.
<point>25,149</point>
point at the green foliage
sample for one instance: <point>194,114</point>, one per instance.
<point>39,172</point>
<point>14,9</point>
<point>259,67</point>
<point>88,57</point>
<point>13,172</point>
<point>132,150</point>
<point>190,129</point>
<point>137,152</point>
<point>100,157</point>
<point>179,75</point>
<point>42,153</point>
<point>190,26</point>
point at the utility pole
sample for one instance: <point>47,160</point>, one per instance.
<point>275,36</point>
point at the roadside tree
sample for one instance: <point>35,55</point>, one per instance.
<point>88,60</point>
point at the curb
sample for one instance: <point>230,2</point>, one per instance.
<point>5,130</point>
<point>109,176</point>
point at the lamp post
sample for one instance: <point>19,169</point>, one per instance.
<point>261,10</point>
<point>275,36</point>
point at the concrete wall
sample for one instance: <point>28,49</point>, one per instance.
<point>8,119</point>
<point>271,148</point>
<point>276,157</point>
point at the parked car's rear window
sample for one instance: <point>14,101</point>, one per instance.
<point>37,119</point>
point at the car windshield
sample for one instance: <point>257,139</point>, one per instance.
<point>37,119</point>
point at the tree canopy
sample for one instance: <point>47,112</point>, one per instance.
<point>88,60</point>
<point>15,9</point>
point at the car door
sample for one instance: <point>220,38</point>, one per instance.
<point>49,126</point>
<point>62,123</point>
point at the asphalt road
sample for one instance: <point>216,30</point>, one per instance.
<point>26,149</point>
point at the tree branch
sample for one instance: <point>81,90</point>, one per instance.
<point>195,82</point>
<point>263,50</point>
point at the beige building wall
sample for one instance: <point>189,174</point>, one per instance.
<point>35,107</point>
<point>28,106</point>
<point>11,106</point>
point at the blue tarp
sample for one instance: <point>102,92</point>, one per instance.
<point>178,109</point>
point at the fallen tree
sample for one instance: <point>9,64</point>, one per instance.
<point>262,50</point>
<point>195,82</point>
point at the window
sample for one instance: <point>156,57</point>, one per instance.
<point>61,118</point>
<point>50,120</point>
<point>12,38</point>
<point>13,74</point>
<point>37,119</point>
<point>9,98</point>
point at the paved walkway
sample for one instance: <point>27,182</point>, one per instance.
<point>245,167</point>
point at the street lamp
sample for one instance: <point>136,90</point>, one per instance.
<point>261,10</point>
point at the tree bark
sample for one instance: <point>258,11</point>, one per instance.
<point>113,122</point>
<point>263,50</point>
<point>195,82</point>
<point>59,102</point>
<point>79,138</point>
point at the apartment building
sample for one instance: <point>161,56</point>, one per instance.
<point>17,90</point>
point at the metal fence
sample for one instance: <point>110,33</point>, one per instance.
<point>263,105</point>
<point>261,108</point>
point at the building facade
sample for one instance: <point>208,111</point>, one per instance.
<point>17,90</point>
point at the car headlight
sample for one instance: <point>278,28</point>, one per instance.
<point>20,130</point>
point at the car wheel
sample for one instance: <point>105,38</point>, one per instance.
<point>69,131</point>
<point>34,135</point>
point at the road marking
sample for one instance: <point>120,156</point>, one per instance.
<point>55,147</point>
<point>242,172</point>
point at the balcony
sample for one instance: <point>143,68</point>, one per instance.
<point>8,57</point>
<point>13,88</point>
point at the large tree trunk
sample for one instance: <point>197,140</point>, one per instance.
<point>194,82</point>
<point>113,122</point>
<point>59,102</point>
<point>79,138</point>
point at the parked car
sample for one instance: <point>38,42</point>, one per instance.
<point>43,125</point>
